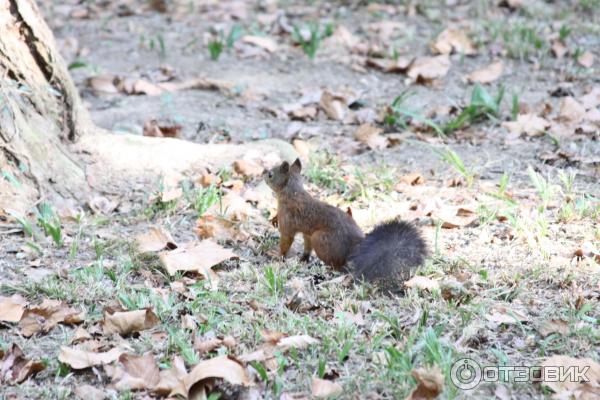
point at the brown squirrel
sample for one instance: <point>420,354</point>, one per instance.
<point>390,250</point>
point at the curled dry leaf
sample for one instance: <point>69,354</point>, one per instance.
<point>334,106</point>
<point>559,49</point>
<point>261,41</point>
<point>504,315</point>
<point>12,308</point>
<point>528,124</point>
<point>15,367</point>
<point>277,342</point>
<point>371,136</point>
<point>153,129</point>
<point>412,179</point>
<point>430,384</point>
<point>81,359</point>
<point>584,388</point>
<point>322,388</point>
<point>453,40</point>
<point>198,257</point>
<point>170,378</point>
<point>422,283</point>
<point>156,239</point>
<point>47,315</point>
<point>103,84</point>
<point>221,367</point>
<point>134,373</point>
<point>206,345</point>
<point>127,322</point>
<point>426,69</point>
<point>487,74</point>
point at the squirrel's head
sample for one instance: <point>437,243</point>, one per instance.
<point>278,177</point>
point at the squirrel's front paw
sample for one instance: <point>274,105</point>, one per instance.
<point>305,258</point>
<point>274,221</point>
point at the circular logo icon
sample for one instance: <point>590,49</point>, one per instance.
<point>465,373</point>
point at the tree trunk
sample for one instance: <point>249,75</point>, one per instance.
<point>48,145</point>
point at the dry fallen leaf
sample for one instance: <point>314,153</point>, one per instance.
<point>412,179</point>
<point>430,384</point>
<point>48,314</point>
<point>322,388</point>
<point>553,326</point>
<point>12,308</point>
<point>170,378</point>
<point>371,136</point>
<point>88,392</point>
<point>333,106</point>
<point>127,322</point>
<point>422,283</point>
<point>487,74</point>
<point>571,110</point>
<point>528,124</point>
<point>206,345</point>
<point>453,40</point>
<point>503,315</point>
<point>81,359</point>
<point>218,228</point>
<point>134,373</point>
<point>103,84</point>
<point>15,368</point>
<point>198,257</point>
<point>559,49</point>
<point>586,389</point>
<point>425,69</point>
<point>248,168</point>
<point>156,239</point>
<point>153,129</point>
<point>586,59</point>
<point>219,367</point>
<point>261,41</point>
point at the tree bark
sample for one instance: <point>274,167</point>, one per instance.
<point>48,145</point>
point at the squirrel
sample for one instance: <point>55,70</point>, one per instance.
<point>389,251</point>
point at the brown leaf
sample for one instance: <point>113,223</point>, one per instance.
<point>88,392</point>
<point>554,326</point>
<point>81,359</point>
<point>322,388</point>
<point>586,59</point>
<point>219,367</point>
<point>206,345</point>
<point>413,179</point>
<point>156,239</point>
<point>425,69</point>
<point>296,342</point>
<point>333,106</point>
<point>248,168</point>
<point>12,308</point>
<point>170,378</point>
<point>503,315</point>
<point>127,322</point>
<point>103,84</point>
<point>261,41</point>
<point>153,129</point>
<point>528,124</point>
<point>48,314</point>
<point>371,136</point>
<point>135,373</point>
<point>571,110</point>
<point>218,228</point>
<point>198,257</point>
<point>587,389</point>
<point>306,113</point>
<point>453,40</point>
<point>15,368</point>
<point>430,383</point>
<point>559,49</point>
<point>422,283</point>
<point>487,74</point>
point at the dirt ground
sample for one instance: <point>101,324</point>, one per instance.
<point>511,212</point>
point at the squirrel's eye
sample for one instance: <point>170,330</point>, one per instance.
<point>270,174</point>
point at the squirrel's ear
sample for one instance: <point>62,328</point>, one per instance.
<point>285,167</point>
<point>297,166</point>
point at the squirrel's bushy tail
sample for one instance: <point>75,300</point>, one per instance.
<point>389,251</point>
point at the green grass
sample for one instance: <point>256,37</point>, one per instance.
<point>311,44</point>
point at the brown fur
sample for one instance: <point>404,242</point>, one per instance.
<point>332,233</point>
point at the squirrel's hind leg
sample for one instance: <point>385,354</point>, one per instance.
<point>307,249</point>
<point>330,248</point>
